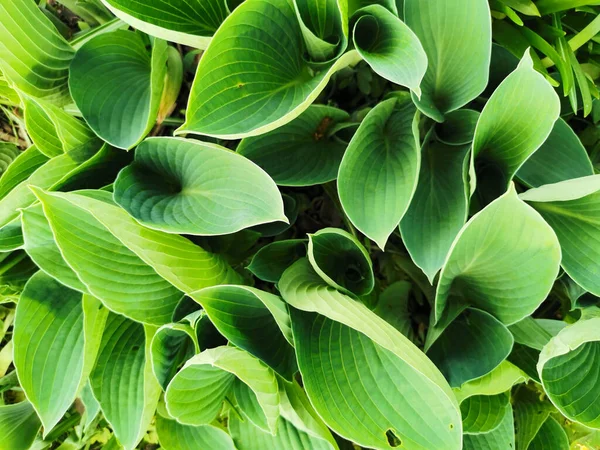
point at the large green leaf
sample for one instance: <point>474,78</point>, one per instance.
<point>483,413</point>
<point>504,261</point>
<point>341,261</point>
<point>389,46</point>
<point>57,335</point>
<point>551,436</point>
<point>511,127</point>
<point>562,157</point>
<point>378,174</point>
<point>439,208</point>
<point>34,57</point>
<point>457,71</point>
<point>19,425</point>
<point>367,393</point>
<point>458,128</point>
<point>424,385</point>
<point>394,305</point>
<point>569,370</point>
<point>470,347</point>
<point>501,437</point>
<point>20,169</point>
<point>185,22</point>
<point>530,411</point>
<point>8,153</point>
<point>141,264</point>
<point>303,152</point>
<point>571,208</point>
<point>263,81</point>
<point>253,320</point>
<point>175,436</point>
<point>122,379</point>
<point>270,261</point>
<point>117,85</point>
<point>185,186</point>
<point>196,394</point>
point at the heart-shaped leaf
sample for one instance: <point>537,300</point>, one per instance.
<point>185,22</point>
<point>303,152</point>
<point>506,244</point>
<point>266,71</point>
<point>117,84</point>
<point>378,175</point>
<point>184,186</point>
<point>457,71</point>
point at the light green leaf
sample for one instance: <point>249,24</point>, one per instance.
<point>571,208</point>
<point>196,394</point>
<point>472,346</point>
<point>175,436</point>
<point>551,436</point>
<point>439,208</point>
<point>483,413</point>
<point>122,379</point>
<point>504,261</point>
<point>378,175</point>
<point>8,154</point>
<point>366,393</point>
<point>389,46</point>
<point>458,70</point>
<point>188,23</point>
<point>501,437</point>
<point>183,186</point>
<point>562,157</point>
<point>523,6</point>
<point>117,85</point>
<point>91,405</point>
<point>253,320</point>
<point>511,128</point>
<point>265,72</point>
<point>341,261</point>
<point>303,152</point>
<point>551,6</point>
<point>270,261</point>
<point>154,260</point>
<point>19,425</point>
<point>55,345</point>
<point>530,411</point>
<point>34,57</point>
<point>20,169</point>
<point>499,380</point>
<point>568,368</point>
<point>302,288</point>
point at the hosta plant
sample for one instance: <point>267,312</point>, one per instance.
<point>299,224</point>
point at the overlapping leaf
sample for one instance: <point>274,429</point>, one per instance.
<point>19,425</point>
<point>175,436</point>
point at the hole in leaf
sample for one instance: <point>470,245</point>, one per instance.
<point>392,439</point>
<point>452,426</point>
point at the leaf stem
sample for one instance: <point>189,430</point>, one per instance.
<point>579,40</point>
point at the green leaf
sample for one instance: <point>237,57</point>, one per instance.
<point>570,207</point>
<point>530,411</point>
<point>182,186</point>
<point>187,23</point>
<point>551,436</point>
<point>526,7</point>
<point>55,132</point>
<point>270,261</point>
<point>439,208</point>
<point>552,6</point>
<point>568,368</point>
<point>500,437</point>
<point>499,380</point>
<point>8,154</point>
<point>562,157</point>
<point>506,244</point>
<point>122,379</point>
<point>140,263</point>
<point>34,57</point>
<point>483,413</point>
<point>117,85</point>
<point>367,393</point>
<point>248,436</point>
<point>465,29</point>
<point>253,320</point>
<point>20,169</point>
<point>19,425</point>
<point>393,305</point>
<point>507,136</point>
<point>472,346</point>
<point>175,436</point>
<point>196,394</point>
<point>303,152</point>
<point>341,261</point>
<point>458,128</point>
<point>57,335</point>
<point>265,72</point>
<point>15,269</point>
<point>378,174</point>
<point>302,288</point>
<point>389,46</point>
